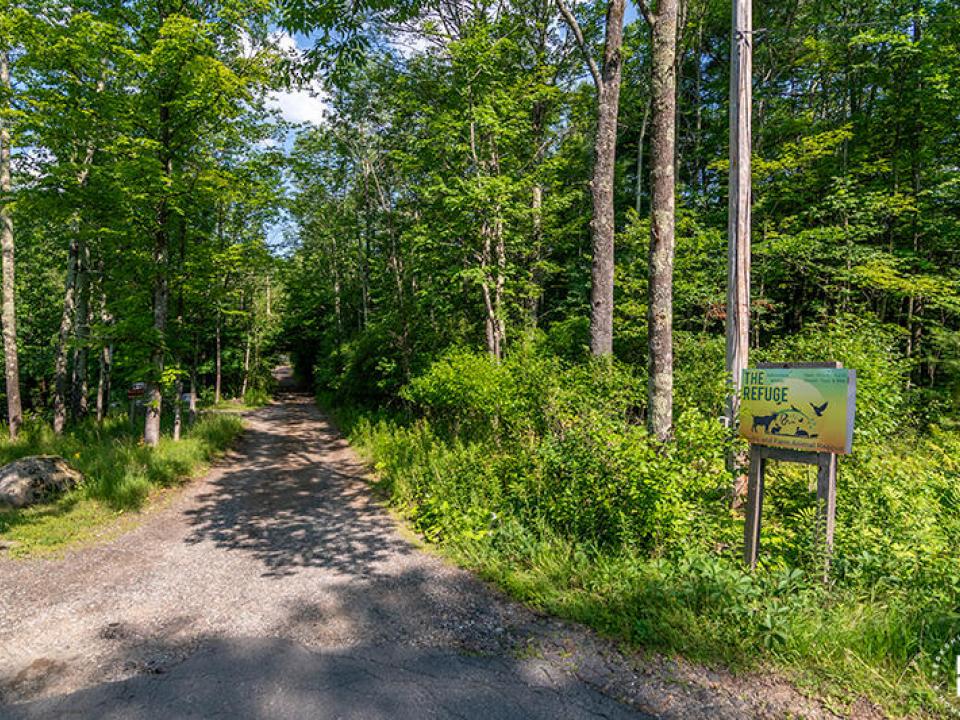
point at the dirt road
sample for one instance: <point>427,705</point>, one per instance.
<point>277,588</point>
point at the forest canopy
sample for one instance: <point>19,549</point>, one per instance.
<point>501,257</point>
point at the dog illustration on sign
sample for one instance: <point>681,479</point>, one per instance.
<point>764,421</point>
<point>792,422</point>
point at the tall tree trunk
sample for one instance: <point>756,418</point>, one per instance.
<point>663,211</point>
<point>246,368</point>
<point>218,360</point>
<point>486,288</point>
<point>193,394</point>
<point>106,352</point>
<point>69,309</point>
<point>539,120</point>
<point>103,384</point>
<point>151,427</point>
<point>601,186</point>
<point>534,275</point>
<point>607,81</point>
<point>79,390</point>
<point>9,311</point>
<point>178,408</point>
<point>638,188</point>
<point>66,329</point>
<point>916,135</point>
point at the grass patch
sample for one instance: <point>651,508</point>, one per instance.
<point>120,475</point>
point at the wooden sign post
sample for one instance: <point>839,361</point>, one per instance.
<point>796,412</point>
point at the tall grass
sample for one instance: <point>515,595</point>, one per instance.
<point>119,473</point>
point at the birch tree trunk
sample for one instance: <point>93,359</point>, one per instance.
<point>9,312</point>
<point>663,211</point>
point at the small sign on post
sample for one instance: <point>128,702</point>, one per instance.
<point>796,412</point>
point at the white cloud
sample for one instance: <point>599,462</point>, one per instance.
<point>285,42</point>
<point>307,105</point>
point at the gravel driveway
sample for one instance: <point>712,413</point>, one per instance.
<point>277,588</point>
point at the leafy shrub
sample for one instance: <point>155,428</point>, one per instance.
<point>540,473</point>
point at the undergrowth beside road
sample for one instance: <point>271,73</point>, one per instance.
<point>119,475</point>
<point>538,474</point>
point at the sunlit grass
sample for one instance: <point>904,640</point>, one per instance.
<point>120,475</point>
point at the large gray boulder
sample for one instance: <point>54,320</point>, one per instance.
<point>35,478</point>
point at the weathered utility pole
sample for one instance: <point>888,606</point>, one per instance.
<point>738,227</point>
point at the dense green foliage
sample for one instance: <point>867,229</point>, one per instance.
<point>143,158</point>
<point>537,472</point>
<point>437,285</point>
<point>145,175</point>
<point>444,206</point>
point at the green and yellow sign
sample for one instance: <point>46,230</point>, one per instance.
<point>799,408</point>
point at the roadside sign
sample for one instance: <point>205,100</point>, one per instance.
<point>801,413</point>
<point>137,389</point>
<point>809,409</point>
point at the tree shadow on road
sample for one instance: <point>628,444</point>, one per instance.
<point>296,500</point>
<point>385,675</point>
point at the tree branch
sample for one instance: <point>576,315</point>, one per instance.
<point>645,11</point>
<point>578,34</point>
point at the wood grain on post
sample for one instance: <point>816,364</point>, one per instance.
<point>751,528</point>
<point>827,505</point>
<point>738,212</point>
